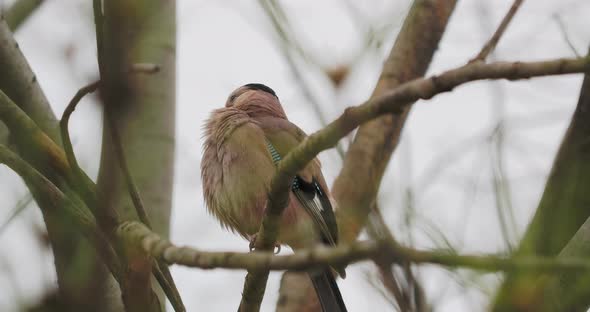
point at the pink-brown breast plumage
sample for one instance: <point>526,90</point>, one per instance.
<point>236,171</point>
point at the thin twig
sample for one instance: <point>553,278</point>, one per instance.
<point>378,230</point>
<point>65,134</point>
<point>390,283</point>
<point>564,34</point>
<point>286,41</point>
<point>491,44</point>
<point>131,187</point>
<point>99,29</point>
<point>20,207</point>
<point>161,271</point>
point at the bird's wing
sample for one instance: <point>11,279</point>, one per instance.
<point>309,186</point>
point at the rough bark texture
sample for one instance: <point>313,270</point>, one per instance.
<point>563,208</point>
<point>142,107</point>
<point>358,183</point>
<point>356,187</point>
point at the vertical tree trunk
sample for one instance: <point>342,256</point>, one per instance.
<point>142,106</point>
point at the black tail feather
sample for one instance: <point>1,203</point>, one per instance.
<point>327,291</point>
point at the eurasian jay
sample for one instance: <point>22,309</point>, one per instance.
<point>244,141</point>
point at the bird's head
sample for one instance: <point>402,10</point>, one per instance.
<point>257,100</point>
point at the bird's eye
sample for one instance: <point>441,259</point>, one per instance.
<point>233,97</point>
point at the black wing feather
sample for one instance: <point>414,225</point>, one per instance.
<point>318,205</point>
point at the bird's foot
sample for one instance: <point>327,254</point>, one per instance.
<point>252,245</point>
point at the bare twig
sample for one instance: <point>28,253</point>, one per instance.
<point>161,271</point>
<point>564,34</point>
<point>131,187</point>
<point>383,251</point>
<point>491,44</point>
<point>99,29</point>
<point>390,282</point>
<point>20,206</point>
<point>272,9</point>
<point>378,230</point>
<point>65,134</point>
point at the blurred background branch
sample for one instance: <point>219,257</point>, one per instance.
<point>19,11</point>
<point>560,213</point>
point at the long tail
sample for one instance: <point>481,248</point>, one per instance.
<point>327,291</point>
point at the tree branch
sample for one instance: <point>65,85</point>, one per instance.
<point>564,34</point>
<point>357,185</point>
<point>20,11</point>
<point>394,102</point>
<point>34,133</point>
<point>385,251</point>
<point>161,270</point>
<point>491,44</point>
<point>56,203</point>
<point>20,84</point>
<point>139,111</point>
<point>77,173</point>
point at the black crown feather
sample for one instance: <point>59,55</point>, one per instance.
<point>261,87</point>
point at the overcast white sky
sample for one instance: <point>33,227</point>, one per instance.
<point>444,158</point>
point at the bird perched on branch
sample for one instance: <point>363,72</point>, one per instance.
<point>244,141</point>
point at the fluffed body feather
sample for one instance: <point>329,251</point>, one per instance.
<point>237,169</point>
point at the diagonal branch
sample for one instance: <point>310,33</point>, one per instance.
<point>79,175</point>
<point>357,185</point>
<point>46,192</point>
<point>564,34</point>
<point>491,44</point>
<point>162,273</point>
<point>20,84</point>
<point>391,102</point>
<point>20,11</point>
